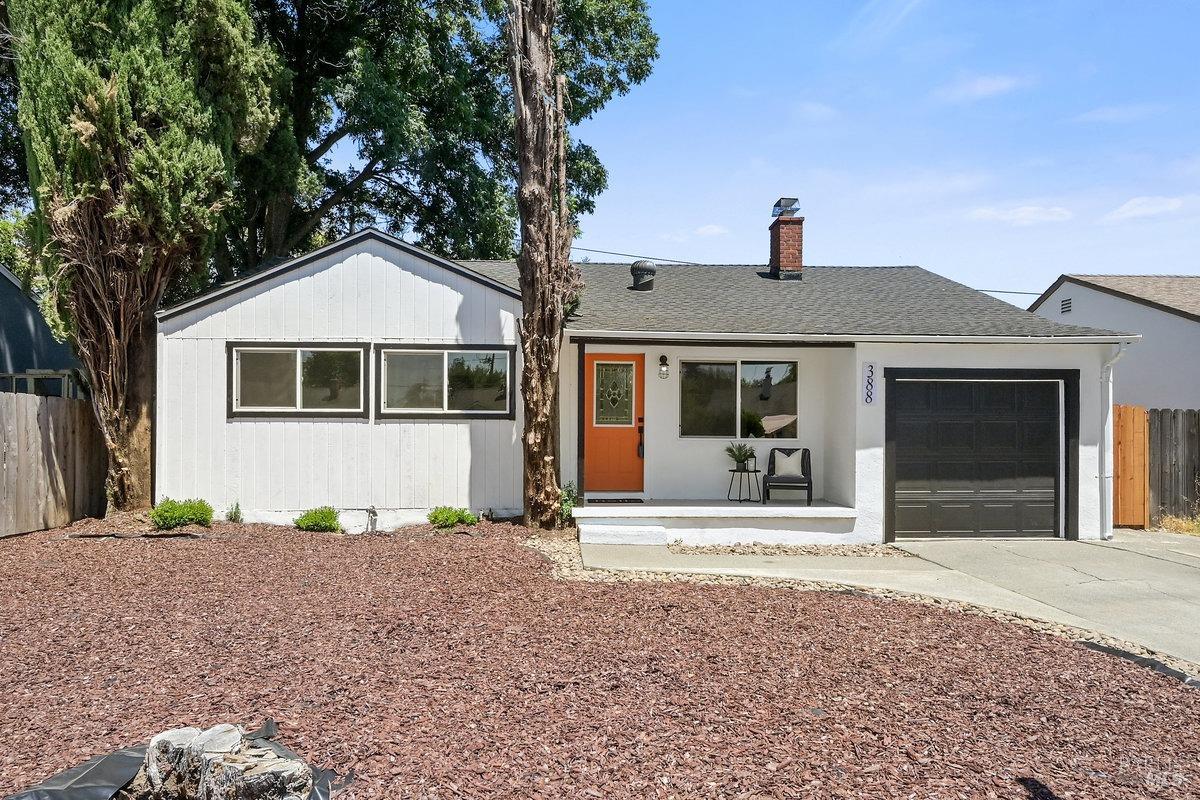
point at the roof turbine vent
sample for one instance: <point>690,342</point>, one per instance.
<point>643,272</point>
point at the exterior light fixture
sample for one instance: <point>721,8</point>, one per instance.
<point>664,369</point>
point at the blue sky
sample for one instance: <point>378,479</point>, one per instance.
<point>998,143</point>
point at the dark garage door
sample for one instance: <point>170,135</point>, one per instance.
<point>974,458</point>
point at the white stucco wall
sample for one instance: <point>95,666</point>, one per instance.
<point>274,467</point>
<point>1094,417</point>
<point>686,468</point>
<point>846,436</point>
<point>1160,370</point>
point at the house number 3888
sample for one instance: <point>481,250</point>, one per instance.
<point>868,383</point>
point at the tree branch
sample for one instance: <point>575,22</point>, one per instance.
<point>332,138</point>
<point>310,222</point>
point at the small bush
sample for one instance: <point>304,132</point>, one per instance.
<point>1188,525</point>
<point>323,519</point>
<point>234,514</point>
<point>447,517</point>
<point>570,499</point>
<point>174,513</point>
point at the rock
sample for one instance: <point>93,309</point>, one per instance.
<point>167,757</point>
<point>256,774</point>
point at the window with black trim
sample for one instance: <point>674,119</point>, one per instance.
<point>739,399</point>
<point>446,382</point>
<point>311,379</point>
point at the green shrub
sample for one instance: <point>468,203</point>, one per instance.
<point>447,517</point>
<point>324,519</point>
<point>174,513</point>
<point>234,514</point>
<point>570,499</point>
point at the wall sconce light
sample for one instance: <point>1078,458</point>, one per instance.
<point>664,369</point>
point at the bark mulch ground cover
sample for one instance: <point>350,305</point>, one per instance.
<point>452,665</point>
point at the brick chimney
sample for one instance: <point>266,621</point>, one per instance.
<point>787,241</point>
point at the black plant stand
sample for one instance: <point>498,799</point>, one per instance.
<point>747,481</point>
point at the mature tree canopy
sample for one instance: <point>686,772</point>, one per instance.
<point>133,114</point>
<point>398,113</point>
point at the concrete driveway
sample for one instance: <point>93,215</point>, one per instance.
<point>1140,587</point>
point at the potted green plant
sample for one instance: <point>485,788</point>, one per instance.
<point>740,453</point>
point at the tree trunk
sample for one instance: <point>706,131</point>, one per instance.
<point>548,279</point>
<point>129,451</point>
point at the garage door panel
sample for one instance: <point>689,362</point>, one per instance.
<point>955,436</point>
<point>975,458</point>
<point>954,397</point>
<point>999,435</point>
<point>914,476</point>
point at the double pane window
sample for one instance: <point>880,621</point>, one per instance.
<point>739,399</point>
<point>318,379</point>
<point>446,381</point>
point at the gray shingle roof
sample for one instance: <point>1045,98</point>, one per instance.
<point>1178,293</point>
<point>868,301</point>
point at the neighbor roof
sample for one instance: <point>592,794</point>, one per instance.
<point>742,298</point>
<point>1175,294</point>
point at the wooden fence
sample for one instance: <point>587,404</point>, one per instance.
<point>1131,467</point>
<point>52,463</point>
<point>1174,468</point>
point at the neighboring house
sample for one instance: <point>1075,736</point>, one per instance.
<point>31,360</point>
<point>1162,370</point>
<point>372,373</point>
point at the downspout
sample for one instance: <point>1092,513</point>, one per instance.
<point>1106,456</point>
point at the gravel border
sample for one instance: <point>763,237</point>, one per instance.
<point>759,549</point>
<point>567,565</point>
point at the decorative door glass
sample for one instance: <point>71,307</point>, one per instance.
<point>614,394</point>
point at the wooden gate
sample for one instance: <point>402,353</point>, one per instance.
<point>1174,462</point>
<point>52,462</point>
<point>1131,467</point>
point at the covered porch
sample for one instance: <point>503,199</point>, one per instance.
<point>646,424</point>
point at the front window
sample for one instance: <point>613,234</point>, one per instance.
<point>739,399</point>
<point>453,382</point>
<point>309,380</point>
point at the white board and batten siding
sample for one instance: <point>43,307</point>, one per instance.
<point>367,293</point>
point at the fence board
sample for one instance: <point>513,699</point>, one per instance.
<point>1174,463</point>
<point>52,463</point>
<point>1131,459</point>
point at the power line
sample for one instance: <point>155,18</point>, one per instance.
<point>631,255</point>
<point>694,263</point>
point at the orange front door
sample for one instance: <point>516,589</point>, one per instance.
<point>614,422</point>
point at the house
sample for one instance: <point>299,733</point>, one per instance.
<point>31,360</point>
<point>373,374</point>
<point>1162,371</point>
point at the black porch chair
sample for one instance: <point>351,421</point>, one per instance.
<point>801,481</point>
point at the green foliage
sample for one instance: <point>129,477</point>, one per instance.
<point>570,499</point>
<point>417,91</point>
<point>323,519</point>
<point>133,114</point>
<point>175,513</point>
<point>739,452</point>
<point>234,512</point>
<point>447,517</point>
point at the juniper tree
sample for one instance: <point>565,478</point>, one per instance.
<point>133,114</point>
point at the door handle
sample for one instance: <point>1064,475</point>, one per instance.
<point>641,449</point>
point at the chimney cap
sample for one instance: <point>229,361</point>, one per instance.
<point>786,207</point>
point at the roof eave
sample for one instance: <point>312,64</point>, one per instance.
<point>334,247</point>
<point>1133,298</point>
<point>786,338</point>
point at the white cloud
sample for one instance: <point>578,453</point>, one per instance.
<point>1126,113</point>
<point>1022,215</point>
<point>711,230</point>
<point>676,237</point>
<point>1142,207</point>
<point>815,112</point>
<point>926,185</point>
<point>875,23</point>
<point>979,87</point>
